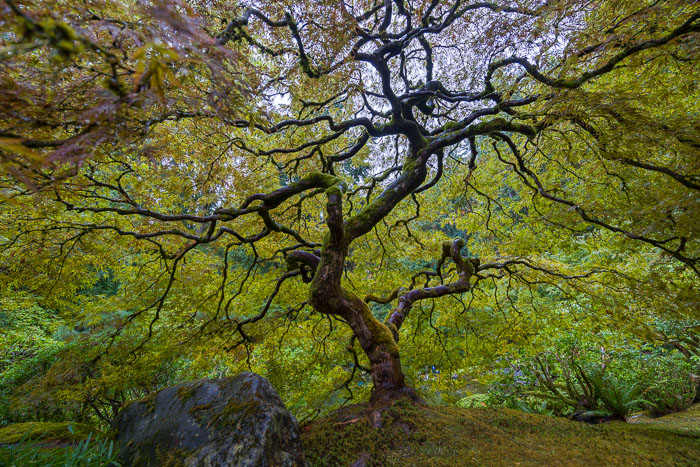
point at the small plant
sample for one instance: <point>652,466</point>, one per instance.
<point>618,397</point>
<point>475,400</point>
<point>99,453</point>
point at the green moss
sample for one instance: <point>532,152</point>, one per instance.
<point>452,126</point>
<point>394,330</point>
<point>334,190</point>
<point>448,436</point>
<point>385,126</point>
<point>687,420</point>
<point>234,411</point>
<point>186,392</point>
<point>322,180</point>
<point>500,124</point>
<point>172,457</point>
<point>410,165</point>
<point>65,45</point>
<point>364,217</point>
<point>45,431</point>
<point>149,400</point>
<point>198,412</point>
<point>305,66</point>
<point>66,31</point>
<point>380,332</point>
<point>347,436</point>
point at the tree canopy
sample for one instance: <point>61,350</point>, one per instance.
<point>356,181</point>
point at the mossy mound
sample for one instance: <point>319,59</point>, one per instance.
<point>449,436</point>
<point>686,421</point>
<point>58,432</point>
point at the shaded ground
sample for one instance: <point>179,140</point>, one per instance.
<point>449,436</point>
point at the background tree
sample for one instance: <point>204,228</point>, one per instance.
<point>359,158</point>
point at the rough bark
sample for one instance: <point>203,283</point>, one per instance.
<point>328,296</point>
<point>381,347</point>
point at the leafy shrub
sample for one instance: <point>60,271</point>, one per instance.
<point>47,372</point>
<point>475,400</point>
<point>669,384</point>
<point>27,349</point>
<point>41,358</point>
<point>594,380</point>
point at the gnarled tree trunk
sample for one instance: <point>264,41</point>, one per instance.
<point>378,340</point>
<point>380,345</point>
<point>328,296</point>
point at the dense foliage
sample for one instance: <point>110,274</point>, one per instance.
<point>581,377</point>
<point>356,199</point>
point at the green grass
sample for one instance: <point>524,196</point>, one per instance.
<point>450,436</point>
<point>54,444</point>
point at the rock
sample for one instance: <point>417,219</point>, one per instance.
<point>236,421</point>
<point>363,461</point>
<point>593,417</point>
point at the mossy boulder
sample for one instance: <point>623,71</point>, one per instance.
<point>233,421</point>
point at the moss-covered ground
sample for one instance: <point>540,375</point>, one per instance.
<point>449,436</point>
<point>687,421</point>
<point>55,432</point>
